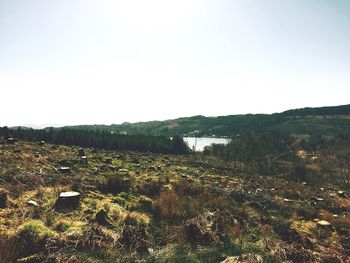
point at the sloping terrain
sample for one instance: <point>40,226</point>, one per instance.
<point>163,208</point>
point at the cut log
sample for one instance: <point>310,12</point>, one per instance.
<point>68,200</point>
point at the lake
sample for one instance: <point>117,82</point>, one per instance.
<point>201,142</point>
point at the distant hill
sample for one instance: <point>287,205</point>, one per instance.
<point>320,120</point>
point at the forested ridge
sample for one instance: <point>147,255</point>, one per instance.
<point>299,121</point>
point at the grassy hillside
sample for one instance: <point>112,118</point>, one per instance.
<point>146,207</point>
<point>300,121</point>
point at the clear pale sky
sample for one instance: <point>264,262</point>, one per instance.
<point>85,62</point>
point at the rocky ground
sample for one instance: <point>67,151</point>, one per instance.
<point>64,204</point>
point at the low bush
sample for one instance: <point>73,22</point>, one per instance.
<point>150,187</point>
<point>35,235</point>
<point>11,248</point>
<point>142,204</point>
<point>169,205</point>
<point>117,183</point>
<point>196,232</point>
<point>282,228</point>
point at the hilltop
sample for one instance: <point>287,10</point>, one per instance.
<point>321,120</point>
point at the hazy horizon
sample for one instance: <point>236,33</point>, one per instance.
<point>108,62</point>
<point>46,125</point>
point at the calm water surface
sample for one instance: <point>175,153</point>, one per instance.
<point>201,142</point>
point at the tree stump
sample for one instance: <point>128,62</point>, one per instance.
<point>64,169</point>
<point>68,200</point>
<point>84,161</point>
<point>10,140</point>
<point>342,194</point>
<point>81,152</point>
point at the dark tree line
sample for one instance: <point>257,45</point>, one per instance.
<point>252,147</point>
<point>100,139</point>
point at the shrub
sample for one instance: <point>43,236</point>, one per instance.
<point>137,219</point>
<point>306,211</point>
<point>118,183</point>
<point>102,218</point>
<point>197,233</point>
<point>150,187</point>
<point>35,234</point>
<point>36,230</point>
<point>143,203</point>
<point>10,248</point>
<point>169,204</point>
<point>282,228</point>
<point>135,237</point>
